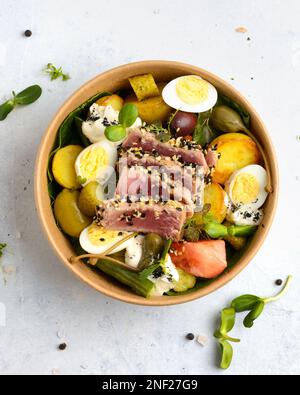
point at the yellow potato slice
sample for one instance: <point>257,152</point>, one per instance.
<point>151,110</point>
<point>144,86</point>
<point>214,195</point>
<point>113,100</point>
<point>229,137</point>
<point>67,213</point>
<point>234,154</point>
<point>63,166</point>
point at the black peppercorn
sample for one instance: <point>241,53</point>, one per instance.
<point>278,282</point>
<point>190,336</point>
<point>62,346</point>
<point>27,33</point>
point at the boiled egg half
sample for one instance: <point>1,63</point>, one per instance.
<point>190,93</point>
<point>247,187</point>
<point>96,162</point>
<point>96,240</point>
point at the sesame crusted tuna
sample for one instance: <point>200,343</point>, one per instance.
<point>148,143</point>
<point>163,218</point>
<point>162,183</point>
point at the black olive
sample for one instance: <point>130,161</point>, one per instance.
<point>184,123</point>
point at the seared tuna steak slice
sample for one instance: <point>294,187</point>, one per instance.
<point>184,184</point>
<point>187,152</point>
<point>163,218</point>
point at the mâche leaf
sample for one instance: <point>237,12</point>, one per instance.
<point>115,133</point>
<point>226,324</point>
<point>226,352</point>
<point>244,303</point>
<point>128,115</point>
<point>5,109</point>
<point>255,305</point>
<point>254,313</point>
<point>28,95</point>
<point>227,320</point>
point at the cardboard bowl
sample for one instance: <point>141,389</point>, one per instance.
<point>111,81</point>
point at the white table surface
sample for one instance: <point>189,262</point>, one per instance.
<point>45,304</point>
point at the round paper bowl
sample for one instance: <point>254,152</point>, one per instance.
<point>111,81</point>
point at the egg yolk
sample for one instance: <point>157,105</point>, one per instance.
<point>245,189</point>
<point>100,236</point>
<point>91,161</point>
<point>192,90</point>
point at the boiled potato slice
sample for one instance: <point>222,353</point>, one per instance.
<point>63,166</point>
<point>67,213</point>
<point>215,195</point>
<point>113,100</point>
<point>223,138</point>
<point>234,154</point>
<point>144,86</point>
<point>90,196</point>
<point>151,110</point>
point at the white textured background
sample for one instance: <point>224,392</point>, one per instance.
<point>44,303</point>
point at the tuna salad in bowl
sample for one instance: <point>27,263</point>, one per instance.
<point>156,182</point>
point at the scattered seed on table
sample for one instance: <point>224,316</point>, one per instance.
<point>28,33</point>
<point>62,346</point>
<point>241,29</point>
<point>190,336</point>
<point>278,282</point>
<point>202,339</point>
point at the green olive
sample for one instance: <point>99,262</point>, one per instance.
<point>67,213</point>
<point>90,196</point>
<point>225,119</point>
<point>153,245</point>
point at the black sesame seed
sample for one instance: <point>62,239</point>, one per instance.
<point>102,239</point>
<point>28,33</point>
<point>120,233</point>
<point>278,282</point>
<point>62,346</point>
<point>190,336</point>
